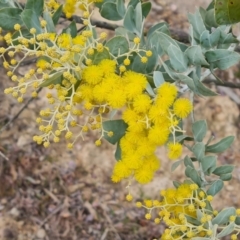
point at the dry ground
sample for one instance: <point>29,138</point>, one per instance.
<point>57,194</point>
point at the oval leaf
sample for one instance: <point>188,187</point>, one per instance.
<point>227,11</point>
<point>221,146</point>
<point>118,127</point>
<point>223,216</point>
<point>9,17</point>
<point>215,187</point>
<point>199,130</point>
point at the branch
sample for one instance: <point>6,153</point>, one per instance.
<point>175,33</point>
<point>223,83</point>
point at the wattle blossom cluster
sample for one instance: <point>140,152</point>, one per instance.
<point>151,122</point>
<point>177,207</point>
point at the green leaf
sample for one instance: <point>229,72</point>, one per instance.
<point>215,187</point>
<point>54,79</point>
<point>150,90</point>
<point>182,137</point>
<point>31,20</point>
<point>7,4</point>
<point>226,230</point>
<point>223,170</point>
<point>237,221</point>
<point>227,11</point>
<point>188,162</point>
<point>120,31</point>
<point>109,11</point>
<point>193,174</point>
<point>36,6</point>
<point>121,8</point>
<point>118,127</point>
<point>146,8</point>
<point>138,19</point>
<point>50,25</point>
<point>57,15</point>
<point>117,45</point>
<point>211,5</point>
<point>221,146</point>
<point>138,66</point>
<point>195,56</point>
<point>9,17</point>
<point>177,58</point>
<point>201,89</point>
<point>197,24</point>
<point>175,165</point>
<point>215,37</point>
<point>226,177</point>
<point>159,27</point>
<point>97,57</point>
<point>118,153</point>
<point>187,80</point>
<point>176,184</point>
<point>129,20</point>
<point>165,41</point>
<point>208,163</point>
<point>227,38</point>
<point>192,220</point>
<point>71,29</point>
<point>200,238</point>
<point>223,216</point>
<point>199,150</point>
<point>205,40</point>
<point>210,21</point>
<point>222,58</point>
<point>158,78</point>
<point>133,3</point>
<point>199,130</point>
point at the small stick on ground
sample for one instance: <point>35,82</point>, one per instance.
<point>19,112</point>
<point>4,156</point>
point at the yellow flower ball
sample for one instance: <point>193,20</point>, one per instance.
<point>182,107</point>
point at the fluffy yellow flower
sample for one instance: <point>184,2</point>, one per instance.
<point>69,7</point>
<point>64,40</point>
<point>158,115</point>
<point>166,94</point>
<point>135,83</point>
<point>167,90</point>
<point>86,92</point>
<point>182,107</point>
<point>41,63</point>
<point>152,162</point>
<point>143,175</point>
<point>133,161</point>
<point>79,40</point>
<point>92,74</point>
<point>121,170</point>
<point>117,98</point>
<point>142,103</point>
<point>131,116</point>
<point>174,150</point>
<point>158,135</point>
<point>107,66</point>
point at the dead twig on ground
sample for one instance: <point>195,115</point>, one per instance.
<point>4,156</point>
<point>18,114</point>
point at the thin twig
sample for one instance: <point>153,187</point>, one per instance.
<point>4,156</point>
<point>110,222</point>
<point>19,112</point>
<point>55,211</point>
<point>223,84</point>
